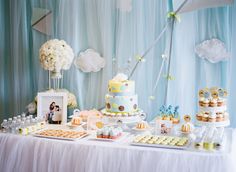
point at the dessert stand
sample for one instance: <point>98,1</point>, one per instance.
<point>127,120</point>
<point>213,124</point>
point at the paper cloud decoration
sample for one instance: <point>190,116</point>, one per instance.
<point>89,61</point>
<point>124,5</point>
<point>213,50</point>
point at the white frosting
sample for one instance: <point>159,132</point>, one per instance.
<point>120,77</point>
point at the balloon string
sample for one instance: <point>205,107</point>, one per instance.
<point>169,59</point>
<point>156,40</point>
<point>147,51</point>
<point>159,75</point>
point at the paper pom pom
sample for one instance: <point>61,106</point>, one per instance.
<point>213,50</point>
<point>89,61</point>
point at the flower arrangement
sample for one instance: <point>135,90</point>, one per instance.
<point>56,55</point>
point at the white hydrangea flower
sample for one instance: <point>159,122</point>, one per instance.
<point>56,55</point>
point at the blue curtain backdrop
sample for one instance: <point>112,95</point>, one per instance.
<point>119,35</point>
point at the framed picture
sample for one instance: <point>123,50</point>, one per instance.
<point>52,107</point>
<point>163,126</point>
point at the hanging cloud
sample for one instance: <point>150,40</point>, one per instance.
<point>124,5</point>
<point>213,50</point>
<point>89,61</point>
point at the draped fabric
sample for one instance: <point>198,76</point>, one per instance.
<point>117,35</point>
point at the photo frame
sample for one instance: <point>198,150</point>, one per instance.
<point>163,126</point>
<point>52,107</point>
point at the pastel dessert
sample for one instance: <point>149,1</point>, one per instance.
<point>121,99</point>
<point>142,125</point>
<point>187,127</point>
<point>211,119</point>
<point>169,113</point>
<point>109,132</point>
<point>205,117</point>
<point>161,140</point>
<point>60,133</point>
<point>212,103</point>
<point>86,113</point>
<point>76,120</point>
<point>199,116</point>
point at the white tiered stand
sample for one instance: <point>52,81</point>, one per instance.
<point>129,120</point>
<point>213,124</point>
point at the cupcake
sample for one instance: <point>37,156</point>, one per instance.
<point>213,103</point>
<point>205,117</point>
<point>206,103</point>
<point>211,119</point>
<point>99,134</point>
<point>219,117</point>
<point>226,116</point>
<point>199,116</point>
<point>113,134</point>
<point>220,102</point>
<point>105,134</point>
<point>201,101</point>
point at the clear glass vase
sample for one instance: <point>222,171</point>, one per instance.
<point>55,80</point>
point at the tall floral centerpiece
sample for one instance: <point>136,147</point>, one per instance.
<point>55,55</point>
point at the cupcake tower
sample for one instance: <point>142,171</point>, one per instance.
<point>212,106</point>
<point>169,113</point>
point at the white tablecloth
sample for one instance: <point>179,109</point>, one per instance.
<point>31,154</point>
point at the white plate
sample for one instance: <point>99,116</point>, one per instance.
<point>214,124</point>
<point>74,126</point>
<point>124,134</point>
<point>59,138</point>
<point>141,130</point>
<point>162,146</point>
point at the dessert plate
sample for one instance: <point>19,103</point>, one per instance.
<point>74,126</point>
<point>162,146</point>
<point>123,135</point>
<point>141,130</point>
<point>82,134</point>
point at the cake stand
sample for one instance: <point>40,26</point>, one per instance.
<point>124,119</point>
<point>213,124</point>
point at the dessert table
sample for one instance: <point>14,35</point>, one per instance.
<point>28,153</point>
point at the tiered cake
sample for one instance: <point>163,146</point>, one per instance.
<point>121,100</point>
<point>213,107</point>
